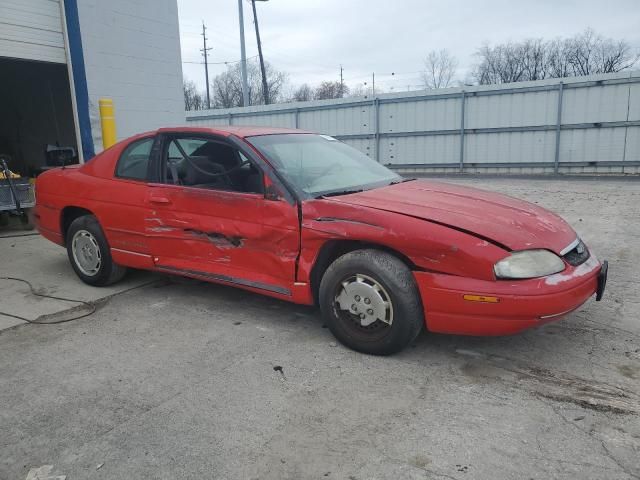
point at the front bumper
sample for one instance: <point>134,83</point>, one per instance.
<point>521,304</point>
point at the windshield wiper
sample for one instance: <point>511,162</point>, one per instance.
<point>341,192</point>
<point>395,182</point>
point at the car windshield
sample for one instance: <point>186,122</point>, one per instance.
<point>321,165</point>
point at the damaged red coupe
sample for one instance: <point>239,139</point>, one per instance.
<point>308,219</point>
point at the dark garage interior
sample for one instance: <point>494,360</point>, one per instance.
<point>37,115</point>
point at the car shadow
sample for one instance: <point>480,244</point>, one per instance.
<point>568,337</point>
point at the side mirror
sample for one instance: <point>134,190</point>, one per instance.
<point>271,191</point>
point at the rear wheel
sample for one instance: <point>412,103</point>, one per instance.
<point>370,302</point>
<point>89,253</point>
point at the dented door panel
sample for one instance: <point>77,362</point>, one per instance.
<point>240,237</point>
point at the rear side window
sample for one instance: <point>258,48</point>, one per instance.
<point>134,160</point>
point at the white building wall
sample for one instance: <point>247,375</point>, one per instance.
<point>132,54</point>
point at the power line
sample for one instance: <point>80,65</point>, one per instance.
<point>228,62</point>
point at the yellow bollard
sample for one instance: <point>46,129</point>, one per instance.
<point>108,122</point>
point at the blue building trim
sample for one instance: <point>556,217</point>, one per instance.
<point>79,77</point>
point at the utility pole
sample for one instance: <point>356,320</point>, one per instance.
<point>265,87</point>
<point>373,84</point>
<point>341,83</point>
<point>205,53</point>
<point>243,56</point>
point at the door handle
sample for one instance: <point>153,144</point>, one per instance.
<point>160,200</point>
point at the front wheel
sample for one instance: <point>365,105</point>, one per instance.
<point>89,253</point>
<point>371,303</point>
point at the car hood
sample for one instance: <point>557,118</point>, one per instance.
<point>507,221</point>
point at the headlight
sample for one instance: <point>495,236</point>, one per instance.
<point>529,264</point>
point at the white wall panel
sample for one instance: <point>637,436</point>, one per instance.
<point>420,149</point>
<point>286,120</point>
<point>634,101</point>
<point>510,110</point>
<point>592,145</point>
<point>633,144</point>
<point>132,55</point>
<point>339,121</point>
<point>595,104</point>
<point>510,147</point>
<point>420,115</point>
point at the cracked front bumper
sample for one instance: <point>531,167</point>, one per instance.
<point>521,304</point>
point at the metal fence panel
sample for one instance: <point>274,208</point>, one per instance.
<point>592,145</point>
<point>426,150</point>
<point>512,110</point>
<point>595,104</point>
<point>632,150</point>
<point>505,147</point>
<point>634,102</point>
<point>420,115</point>
<point>580,124</point>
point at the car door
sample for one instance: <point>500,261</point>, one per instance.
<point>122,204</point>
<point>210,216</point>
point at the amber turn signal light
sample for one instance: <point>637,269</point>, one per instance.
<point>481,298</point>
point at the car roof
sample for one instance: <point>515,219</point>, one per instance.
<point>239,131</point>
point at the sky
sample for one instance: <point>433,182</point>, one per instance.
<point>310,39</point>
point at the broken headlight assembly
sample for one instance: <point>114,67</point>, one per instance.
<point>529,264</point>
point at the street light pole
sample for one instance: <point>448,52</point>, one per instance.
<point>243,56</point>
<point>265,87</point>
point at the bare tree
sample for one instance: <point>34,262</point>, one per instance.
<point>440,69</point>
<point>330,89</point>
<point>535,59</point>
<point>303,93</point>
<point>500,64</point>
<point>591,53</point>
<point>193,99</point>
<point>227,87</point>
<point>558,59</point>
<point>359,91</point>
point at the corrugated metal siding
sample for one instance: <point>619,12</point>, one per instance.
<point>513,125</point>
<point>32,30</point>
<point>595,104</point>
<point>511,110</point>
<point>420,115</point>
<point>534,147</point>
<point>633,143</point>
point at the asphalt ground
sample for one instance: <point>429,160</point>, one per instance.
<point>176,379</point>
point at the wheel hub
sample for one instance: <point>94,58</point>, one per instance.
<point>86,252</point>
<point>365,299</point>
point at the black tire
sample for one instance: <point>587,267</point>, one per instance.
<point>397,284</point>
<point>107,272</point>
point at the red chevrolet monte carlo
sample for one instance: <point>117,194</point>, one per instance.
<point>307,219</point>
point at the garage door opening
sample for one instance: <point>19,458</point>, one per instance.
<point>36,123</point>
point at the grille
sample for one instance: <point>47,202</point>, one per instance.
<point>578,255</point>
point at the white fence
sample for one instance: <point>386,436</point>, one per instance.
<point>577,125</point>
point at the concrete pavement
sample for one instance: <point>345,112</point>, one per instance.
<point>45,265</point>
<point>179,380</point>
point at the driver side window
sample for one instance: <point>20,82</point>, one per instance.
<point>210,164</point>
